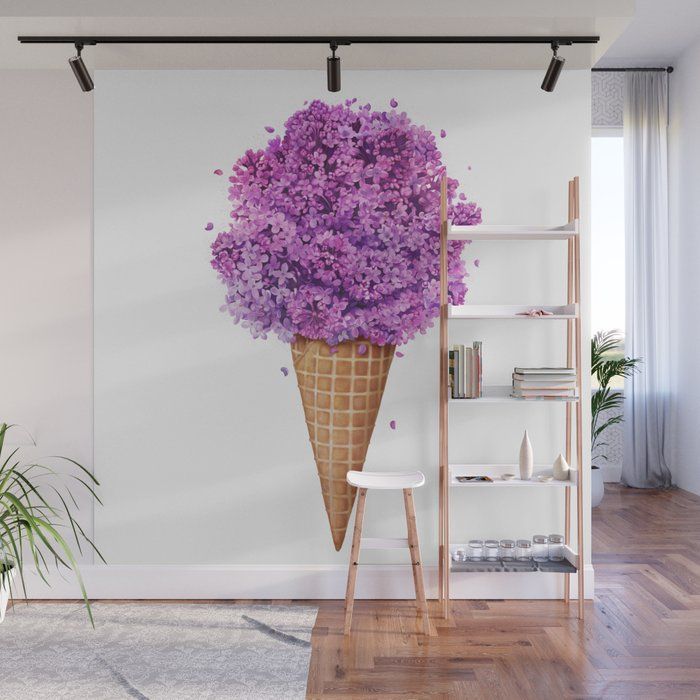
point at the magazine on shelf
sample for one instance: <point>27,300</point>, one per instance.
<point>544,392</point>
<point>544,383</point>
<point>478,373</point>
<point>544,379</point>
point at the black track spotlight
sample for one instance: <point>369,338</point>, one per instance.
<point>80,70</point>
<point>553,70</point>
<point>333,70</point>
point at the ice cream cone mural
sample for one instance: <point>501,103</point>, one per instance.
<point>333,245</point>
<point>341,392</point>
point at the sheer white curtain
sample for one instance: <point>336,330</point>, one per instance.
<point>647,394</point>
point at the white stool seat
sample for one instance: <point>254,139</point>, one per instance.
<point>385,480</point>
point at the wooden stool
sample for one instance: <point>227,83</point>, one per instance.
<point>405,481</point>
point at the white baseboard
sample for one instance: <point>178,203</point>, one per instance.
<point>308,582</point>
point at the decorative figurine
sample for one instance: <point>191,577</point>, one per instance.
<point>526,458</point>
<point>560,469</point>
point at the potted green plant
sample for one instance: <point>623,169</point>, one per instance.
<point>608,363</point>
<point>37,526</point>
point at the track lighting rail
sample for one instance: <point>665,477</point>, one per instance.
<point>334,42</point>
<point>340,40</point>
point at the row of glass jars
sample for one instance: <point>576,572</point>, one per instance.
<point>541,548</point>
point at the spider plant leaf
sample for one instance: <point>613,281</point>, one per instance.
<point>34,526</point>
<point>35,512</point>
<point>89,474</point>
<point>16,551</point>
<point>73,565</point>
<point>90,542</point>
<point>9,457</point>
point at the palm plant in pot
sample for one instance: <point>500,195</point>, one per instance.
<point>37,527</point>
<point>608,363</point>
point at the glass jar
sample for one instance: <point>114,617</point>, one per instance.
<point>459,554</point>
<point>540,551</point>
<point>491,550</point>
<point>475,550</point>
<point>506,550</point>
<point>523,550</point>
<point>556,548</point>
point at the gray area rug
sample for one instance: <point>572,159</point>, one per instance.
<point>156,651</point>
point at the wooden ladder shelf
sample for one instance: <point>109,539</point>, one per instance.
<point>571,314</point>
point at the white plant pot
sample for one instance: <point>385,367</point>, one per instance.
<point>5,582</point>
<point>597,487</point>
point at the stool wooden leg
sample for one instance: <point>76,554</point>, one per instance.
<point>354,559</point>
<point>417,566</point>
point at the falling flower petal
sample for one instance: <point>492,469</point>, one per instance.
<point>332,350</point>
<point>399,353</point>
<point>443,133</point>
<point>394,104</point>
<point>270,129</point>
<point>361,349</point>
<point>209,226</point>
<point>218,171</point>
<point>476,263</point>
<point>284,371</point>
<point>392,424</point>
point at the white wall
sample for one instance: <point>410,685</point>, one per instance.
<point>684,183</point>
<point>198,472</point>
<point>46,263</point>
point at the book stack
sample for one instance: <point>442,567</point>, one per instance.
<point>544,383</point>
<point>465,371</point>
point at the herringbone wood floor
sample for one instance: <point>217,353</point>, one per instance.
<point>640,638</point>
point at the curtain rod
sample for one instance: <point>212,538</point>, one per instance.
<point>668,69</point>
<point>340,40</point>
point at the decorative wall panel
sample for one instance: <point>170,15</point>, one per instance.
<point>607,99</point>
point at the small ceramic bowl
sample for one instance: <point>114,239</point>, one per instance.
<point>507,477</point>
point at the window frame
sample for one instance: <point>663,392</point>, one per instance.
<point>607,132</point>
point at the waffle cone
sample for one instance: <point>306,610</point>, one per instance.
<point>341,393</point>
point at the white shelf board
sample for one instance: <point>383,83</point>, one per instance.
<point>501,394</point>
<point>507,311</point>
<point>485,232</point>
<point>569,554</point>
<point>495,471</point>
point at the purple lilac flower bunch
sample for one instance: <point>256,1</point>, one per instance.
<point>334,230</point>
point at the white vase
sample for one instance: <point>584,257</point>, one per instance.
<point>526,459</point>
<point>5,582</point>
<point>561,468</point>
<point>597,487</point>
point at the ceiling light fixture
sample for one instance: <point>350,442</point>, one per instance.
<point>80,70</point>
<point>333,70</point>
<point>553,70</point>
<point>333,62</point>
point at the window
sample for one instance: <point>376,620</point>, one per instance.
<point>607,231</point>
<point>608,237</point>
